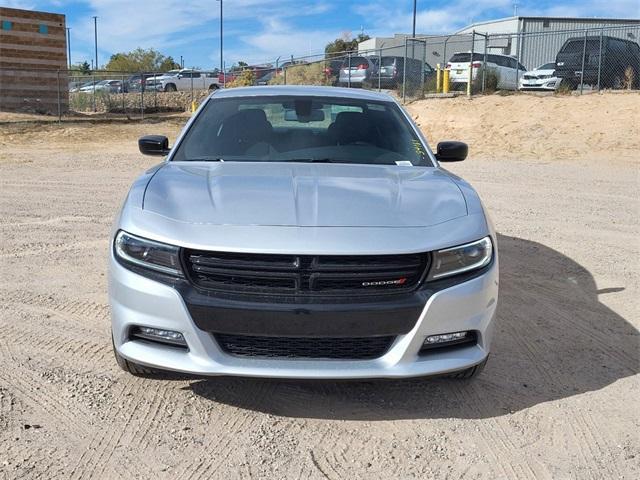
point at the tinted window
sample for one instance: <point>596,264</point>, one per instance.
<point>547,66</point>
<point>576,46</point>
<point>355,61</point>
<point>465,57</point>
<point>390,61</point>
<point>288,128</point>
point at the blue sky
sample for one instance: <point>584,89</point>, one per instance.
<point>258,31</point>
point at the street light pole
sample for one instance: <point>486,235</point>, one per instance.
<point>415,6</point>
<point>95,37</point>
<point>69,47</point>
<point>221,46</point>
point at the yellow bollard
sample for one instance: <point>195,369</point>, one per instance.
<point>438,79</point>
<point>445,81</point>
<point>193,106</point>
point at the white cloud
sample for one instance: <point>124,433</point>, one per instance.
<point>22,4</point>
<point>456,14</point>
<point>125,24</point>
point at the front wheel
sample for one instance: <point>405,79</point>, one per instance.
<point>470,372</point>
<point>170,88</point>
<point>134,368</point>
<point>213,87</point>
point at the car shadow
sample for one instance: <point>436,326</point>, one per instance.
<point>553,340</point>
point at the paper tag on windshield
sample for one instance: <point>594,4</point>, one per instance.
<point>404,163</point>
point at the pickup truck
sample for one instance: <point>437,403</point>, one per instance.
<point>184,80</point>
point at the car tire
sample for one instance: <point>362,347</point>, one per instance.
<point>213,87</point>
<point>170,87</point>
<point>471,372</point>
<point>134,368</point>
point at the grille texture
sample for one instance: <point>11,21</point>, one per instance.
<point>360,348</point>
<point>304,274</point>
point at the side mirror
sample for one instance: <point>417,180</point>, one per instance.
<point>452,151</point>
<point>154,145</point>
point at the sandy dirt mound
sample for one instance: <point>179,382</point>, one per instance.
<point>594,126</point>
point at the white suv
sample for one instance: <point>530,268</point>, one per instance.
<point>505,66</point>
<point>183,80</point>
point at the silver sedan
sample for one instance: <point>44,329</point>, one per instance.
<point>302,232</point>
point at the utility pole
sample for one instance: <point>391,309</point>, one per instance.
<point>415,7</point>
<point>95,37</point>
<point>221,46</point>
<point>69,47</point>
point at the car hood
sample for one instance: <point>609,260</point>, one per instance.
<point>303,195</point>
<point>539,72</point>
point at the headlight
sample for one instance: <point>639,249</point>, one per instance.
<point>147,253</point>
<point>464,258</point>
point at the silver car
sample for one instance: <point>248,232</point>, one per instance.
<point>302,232</point>
<point>357,71</point>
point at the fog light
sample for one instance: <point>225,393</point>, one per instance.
<point>448,339</point>
<point>159,335</point>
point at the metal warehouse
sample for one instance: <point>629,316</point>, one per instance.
<point>533,40</point>
<point>536,40</point>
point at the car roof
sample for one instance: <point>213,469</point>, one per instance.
<point>303,90</point>
<point>480,53</point>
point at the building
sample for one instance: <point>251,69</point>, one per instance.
<point>537,40</point>
<point>534,40</point>
<point>33,61</point>
<point>434,49</point>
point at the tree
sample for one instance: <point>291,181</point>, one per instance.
<point>141,60</point>
<point>85,68</point>
<point>344,44</point>
<point>239,67</point>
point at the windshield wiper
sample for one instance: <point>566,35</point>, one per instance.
<point>310,160</point>
<point>206,159</point>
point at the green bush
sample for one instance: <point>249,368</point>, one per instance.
<point>491,81</point>
<point>310,74</point>
<point>245,79</point>
<point>411,88</point>
<point>430,84</point>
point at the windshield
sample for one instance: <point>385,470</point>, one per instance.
<point>302,129</point>
<point>465,57</point>
<point>547,66</point>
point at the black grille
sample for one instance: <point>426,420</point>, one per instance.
<point>360,348</point>
<point>304,274</point>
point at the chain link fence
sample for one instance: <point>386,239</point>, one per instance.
<point>472,63</point>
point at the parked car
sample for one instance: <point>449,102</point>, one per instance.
<point>357,71</point>
<point>392,71</point>
<point>540,78</point>
<point>137,83</point>
<point>108,86</point>
<point>266,76</point>
<point>259,71</point>
<point>184,80</point>
<point>332,70</point>
<point>302,232</point>
<point>620,60</point>
<point>506,67</point>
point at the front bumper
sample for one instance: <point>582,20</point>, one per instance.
<point>136,300</point>
<point>540,84</point>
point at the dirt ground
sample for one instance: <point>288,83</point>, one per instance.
<point>558,399</point>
